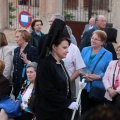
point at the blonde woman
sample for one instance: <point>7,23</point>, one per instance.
<point>5,55</point>
<point>23,55</point>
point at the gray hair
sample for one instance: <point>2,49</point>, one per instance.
<point>98,16</point>
<point>69,30</point>
<point>59,16</point>
<point>32,64</point>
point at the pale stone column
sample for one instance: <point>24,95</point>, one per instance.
<point>116,17</point>
<point>48,7</point>
<point>15,3</point>
<point>3,14</point>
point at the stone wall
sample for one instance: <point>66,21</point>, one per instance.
<point>3,14</point>
<point>48,7</point>
<point>9,34</point>
<point>116,17</point>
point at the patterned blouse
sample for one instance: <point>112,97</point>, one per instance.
<point>22,92</point>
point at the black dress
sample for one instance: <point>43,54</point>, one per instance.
<point>19,75</point>
<point>85,41</point>
<point>52,90</point>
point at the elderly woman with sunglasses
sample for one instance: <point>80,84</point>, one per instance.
<point>91,55</point>
<point>111,78</point>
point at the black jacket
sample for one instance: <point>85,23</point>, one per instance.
<point>18,63</point>
<point>109,46</point>
<point>86,39</point>
<point>4,86</point>
<point>42,46</point>
<point>34,40</point>
<point>52,98</point>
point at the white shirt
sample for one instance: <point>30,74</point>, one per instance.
<point>90,27</point>
<point>25,98</point>
<point>73,60</point>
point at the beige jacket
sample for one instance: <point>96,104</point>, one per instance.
<point>6,56</point>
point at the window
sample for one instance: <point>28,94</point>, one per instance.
<point>23,2</point>
<point>71,4</point>
<point>97,4</point>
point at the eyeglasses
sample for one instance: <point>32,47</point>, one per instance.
<point>118,50</point>
<point>92,38</point>
<point>102,21</point>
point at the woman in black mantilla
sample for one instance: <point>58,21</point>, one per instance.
<point>53,98</point>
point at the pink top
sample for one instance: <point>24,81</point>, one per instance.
<point>108,78</point>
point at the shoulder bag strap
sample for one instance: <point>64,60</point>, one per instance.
<point>114,74</point>
<point>96,65</point>
<point>2,54</point>
<point>97,62</point>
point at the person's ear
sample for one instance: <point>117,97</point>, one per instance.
<point>54,47</point>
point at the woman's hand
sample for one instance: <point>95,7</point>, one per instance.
<point>86,76</point>
<point>112,92</point>
<point>24,58</point>
<point>21,107</point>
<point>91,77</point>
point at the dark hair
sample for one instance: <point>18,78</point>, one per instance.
<point>102,112</point>
<point>59,40</point>
<point>34,21</point>
<point>111,34</point>
<point>57,33</point>
<point>3,40</point>
<point>24,33</point>
<point>61,36</point>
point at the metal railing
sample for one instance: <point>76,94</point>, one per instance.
<point>82,10</point>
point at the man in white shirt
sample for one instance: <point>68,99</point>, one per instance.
<point>73,63</point>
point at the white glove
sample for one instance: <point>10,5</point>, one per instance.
<point>73,106</point>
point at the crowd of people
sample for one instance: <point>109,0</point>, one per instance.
<point>45,68</point>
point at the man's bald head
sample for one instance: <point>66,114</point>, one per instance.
<point>92,21</point>
<point>100,21</point>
